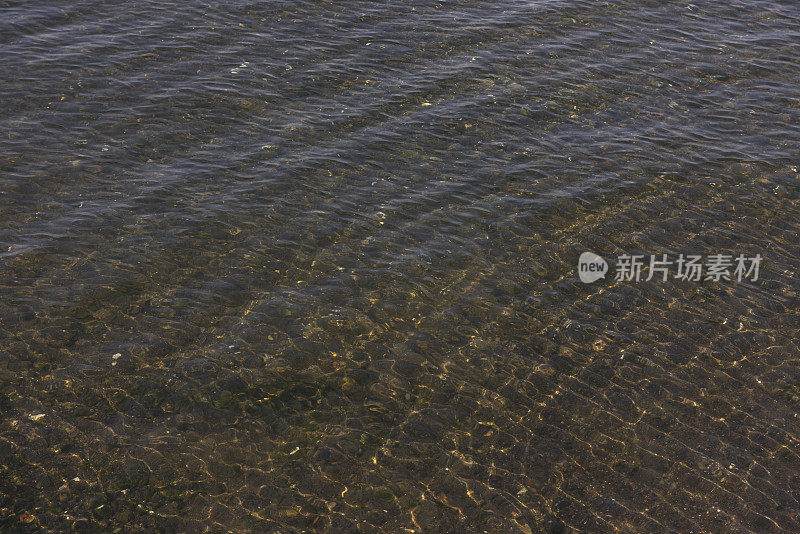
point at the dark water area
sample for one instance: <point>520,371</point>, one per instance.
<point>310,266</point>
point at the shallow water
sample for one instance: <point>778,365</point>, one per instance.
<point>311,266</point>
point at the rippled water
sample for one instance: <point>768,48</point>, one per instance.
<point>310,266</point>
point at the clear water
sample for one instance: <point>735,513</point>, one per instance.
<point>310,266</point>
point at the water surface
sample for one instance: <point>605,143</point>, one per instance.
<point>310,266</point>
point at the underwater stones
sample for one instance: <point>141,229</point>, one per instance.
<point>424,428</point>
<point>296,359</point>
<point>254,361</point>
<point>276,364</point>
<point>363,377</point>
<point>556,526</point>
<point>407,369</point>
<point>349,386</point>
<point>235,384</point>
<point>123,363</point>
<point>26,314</point>
<point>195,366</point>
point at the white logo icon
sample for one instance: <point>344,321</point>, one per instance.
<point>591,267</point>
